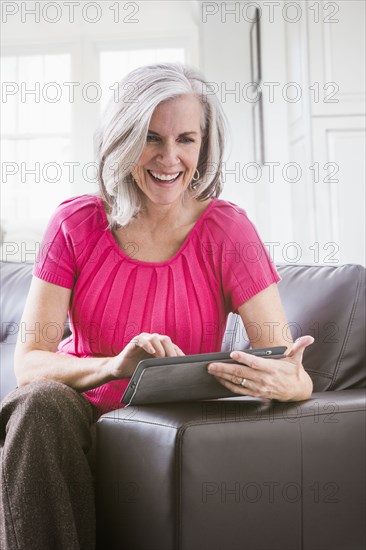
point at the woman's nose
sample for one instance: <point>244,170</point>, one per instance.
<point>168,153</point>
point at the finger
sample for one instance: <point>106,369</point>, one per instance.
<point>142,341</point>
<point>261,364</point>
<point>171,349</point>
<point>238,388</point>
<point>163,345</point>
<point>298,347</point>
<point>249,360</point>
<point>250,389</point>
<point>233,373</point>
<point>156,344</point>
<point>178,350</point>
<point>159,350</point>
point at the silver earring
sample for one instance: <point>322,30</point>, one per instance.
<point>195,178</point>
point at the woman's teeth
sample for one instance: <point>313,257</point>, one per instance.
<point>164,177</point>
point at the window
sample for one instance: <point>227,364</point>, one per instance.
<point>35,140</point>
<point>43,132</point>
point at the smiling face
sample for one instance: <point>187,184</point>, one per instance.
<point>170,156</point>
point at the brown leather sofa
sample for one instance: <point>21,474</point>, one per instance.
<point>240,473</point>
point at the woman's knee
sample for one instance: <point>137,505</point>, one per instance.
<point>44,399</point>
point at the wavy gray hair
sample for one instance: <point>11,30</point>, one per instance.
<point>121,136</point>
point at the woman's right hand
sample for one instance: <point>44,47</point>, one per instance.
<point>143,346</point>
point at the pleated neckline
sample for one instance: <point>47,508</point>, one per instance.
<point>154,264</point>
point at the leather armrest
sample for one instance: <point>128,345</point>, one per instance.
<point>213,474</point>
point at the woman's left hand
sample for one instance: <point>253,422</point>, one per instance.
<point>281,379</point>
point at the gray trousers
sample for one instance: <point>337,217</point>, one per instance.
<point>46,469</point>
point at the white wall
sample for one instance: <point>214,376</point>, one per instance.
<point>311,44</point>
<point>225,58</point>
<point>327,128</point>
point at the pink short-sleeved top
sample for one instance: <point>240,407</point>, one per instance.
<point>221,264</point>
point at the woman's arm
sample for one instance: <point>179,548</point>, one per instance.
<point>266,325</point>
<point>41,330</point>
<point>265,320</point>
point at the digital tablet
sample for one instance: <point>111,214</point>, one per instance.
<point>183,378</point>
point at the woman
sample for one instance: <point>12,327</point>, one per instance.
<point>146,268</point>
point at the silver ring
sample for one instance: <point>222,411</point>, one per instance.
<point>242,383</point>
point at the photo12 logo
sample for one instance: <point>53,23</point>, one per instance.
<point>71,12</point>
<point>53,92</point>
<point>270,92</point>
<point>291,12</point>
<point>271,492</point>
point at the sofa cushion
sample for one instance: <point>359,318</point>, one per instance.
<point>327,302</point>
<point>15,279</point>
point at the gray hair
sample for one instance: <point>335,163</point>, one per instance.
<point>121,136</point>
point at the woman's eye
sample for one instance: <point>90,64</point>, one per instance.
<point>151,137</point>
<point>186,139</point>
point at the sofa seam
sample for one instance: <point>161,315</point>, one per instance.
<point>140,421</point>
<point>348,332</point>
<point>302,492</point>
<point>321,374</point>
<point>178,453</point>
<point>236,324</point>
<point>272,418</point>
<point>230,421</point>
